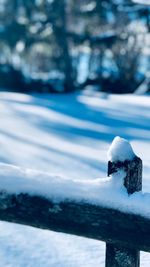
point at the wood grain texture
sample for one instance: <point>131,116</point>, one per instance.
<point>119,256</point>
<point>82,219</point>
<point>133,170</point>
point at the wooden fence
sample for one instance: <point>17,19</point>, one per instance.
<point>125,234</point>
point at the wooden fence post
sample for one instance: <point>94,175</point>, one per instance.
<point>121,256</point>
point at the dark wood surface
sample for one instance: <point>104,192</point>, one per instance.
<point>133,170</point>
<point>112,226</point>
<point>119,256</point>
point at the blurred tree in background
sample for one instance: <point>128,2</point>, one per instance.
<point>60,46</point>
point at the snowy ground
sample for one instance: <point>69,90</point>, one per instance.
<point>69,135</point>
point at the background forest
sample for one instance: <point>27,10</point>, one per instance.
<point>61,46</point>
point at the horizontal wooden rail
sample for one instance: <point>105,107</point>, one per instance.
<point>125,233</point>
<point>82,219</point>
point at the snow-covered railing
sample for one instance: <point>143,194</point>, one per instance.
<point>102,209</point>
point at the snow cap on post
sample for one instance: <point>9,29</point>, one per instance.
<point>122,157</point>
<point>120,150</point>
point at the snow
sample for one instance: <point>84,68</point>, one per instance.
<point>107,192</point>
<point>69,135</point>
<point>26,246</point>
<point>120,150</point>
<point>142,2</point>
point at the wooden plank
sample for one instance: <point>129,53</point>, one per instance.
<point>112,226</point>
<point>122,257</point>
<point>133,170</point>
<point>119,255</point>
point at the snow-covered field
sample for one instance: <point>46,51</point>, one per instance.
<point>67,135</point>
